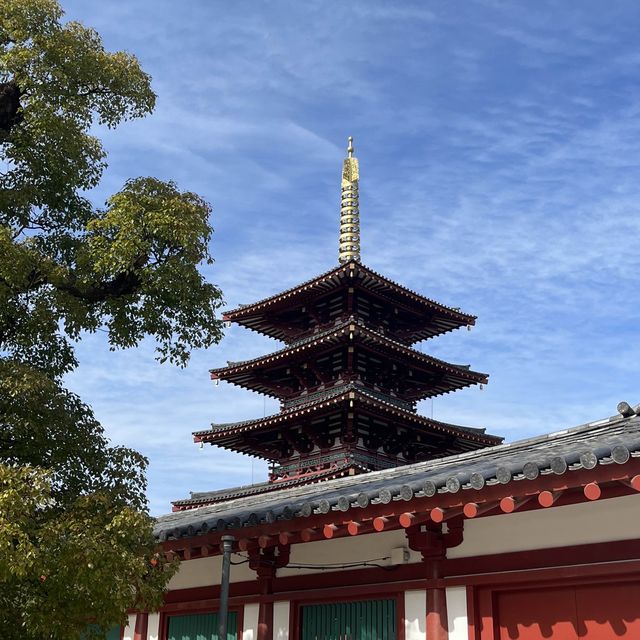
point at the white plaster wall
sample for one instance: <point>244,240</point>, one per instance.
<point>415,614</point>
<point>250,624</point>
<point>153,626</point>
<point>130,627</point>
<point>207,571</point>
<point>204,572</point>
<point>457,613</point>
<point>281,620</point>
<point>346,550</point>
<point>585,523</point>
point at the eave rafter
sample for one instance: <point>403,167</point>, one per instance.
<point>438,375</point>
<point>233,436</point>
<point>199,500</point>
<point>358,516</point>
<point>260,315</point>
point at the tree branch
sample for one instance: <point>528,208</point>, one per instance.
<point>10,113</point>
<point>123,284</point>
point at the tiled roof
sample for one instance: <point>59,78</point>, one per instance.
<point>337,394</point>
<point>334,277</point>
<point>610,441</point>
<point>222,495</point>
<point>344,267</point>
<point>459,375</point>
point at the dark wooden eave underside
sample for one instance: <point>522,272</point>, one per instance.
<point>213,497</point>
<point>257,316</point>
<point>242,436</point>
<point>423,375</point>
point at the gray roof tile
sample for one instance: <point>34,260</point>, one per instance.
<point>596,443</point>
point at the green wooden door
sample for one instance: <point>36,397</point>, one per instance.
<point>200,626</point>
<point>363,620</point>
<point>113,634</point>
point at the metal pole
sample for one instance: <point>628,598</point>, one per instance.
<point>227,544</point>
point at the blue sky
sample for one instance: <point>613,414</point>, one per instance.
<point>499,147</point>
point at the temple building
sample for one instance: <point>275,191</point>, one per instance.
<point>348,378</point>
<point>379,523</point>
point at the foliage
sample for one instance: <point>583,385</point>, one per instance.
<point>75,542</point>
<point>45,426</point>
<point>61,574</point>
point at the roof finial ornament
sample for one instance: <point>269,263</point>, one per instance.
<point>350,147</point>
<point>349,209</point>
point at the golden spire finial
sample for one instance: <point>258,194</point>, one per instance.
<point>349,209</point>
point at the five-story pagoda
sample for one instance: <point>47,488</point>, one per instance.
<point>348,378</point>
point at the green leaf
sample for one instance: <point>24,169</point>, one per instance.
<point>72,505</point>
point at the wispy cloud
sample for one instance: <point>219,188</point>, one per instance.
<point>500,154</point>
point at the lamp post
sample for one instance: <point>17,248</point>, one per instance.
<point>227,544</point>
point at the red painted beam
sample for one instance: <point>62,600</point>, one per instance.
<point>307,535</point>
<point>633,483</point>
<point>473,509</point>
<point>380,523</point>
<point>382,515</point>
<point>438,515</point>
<point>509,504</point>
<point>244,544</point>
<point>266,541</point>
<point>409,519</point>
<point>592,491</point>
<point>354,528</point>
<point>285,538</point>
<point>548,498</point>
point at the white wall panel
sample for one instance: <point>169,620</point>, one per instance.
<point>250,624</point>
<point>281,620</point>
<point>415,614</point>
<point>457,613</point>
<point>585,523</point>
<point>207,571</point>
<point>153,626</point>
<point>347,550</point>
<point>129,629</point>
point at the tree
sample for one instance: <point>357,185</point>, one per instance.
<point>76,548</point>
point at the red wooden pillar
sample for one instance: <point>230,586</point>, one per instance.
<point>428,539</point>
<point>265,621</point>
<point>262,561</point>
<point>437,627</point>
<point>265,562</point>
<point>142,625</point>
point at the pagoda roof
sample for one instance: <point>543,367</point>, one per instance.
<point>221,495</point>
<point>442,317</point>
<point>454,376</point>
<point>232,435</point>
<point>516,466</point>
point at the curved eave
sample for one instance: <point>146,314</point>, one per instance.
<point>449,384</point>
<point>261,324</point>
<point>243,374</point>
<point>220,433</point>
<point>201,500</point>
<point>251,315</point>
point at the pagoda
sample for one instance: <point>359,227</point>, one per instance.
<point>348,377</point>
